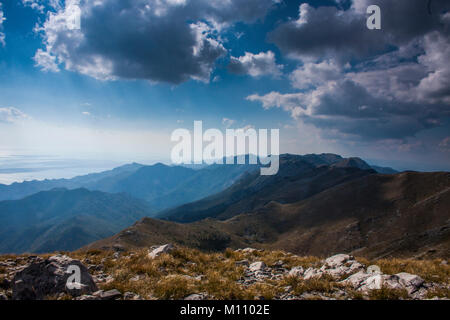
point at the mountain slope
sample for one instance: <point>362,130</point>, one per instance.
<point>91,181</point>
<point>299,177</point>
<point>63,219</point>
<point>374,216</point>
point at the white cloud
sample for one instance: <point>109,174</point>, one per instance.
<point>255,65</point>
<point>158,40</point>
<point>12,115</point>
<point>35,4</point>
<point>294,103</point>
<point>46,61</point>
<point>228,122</point>
<point>313,75</point>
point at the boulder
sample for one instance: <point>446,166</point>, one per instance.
<point>357,279</point>
<point>410,282</point>
<point>340,265</point>
<point>337,260</point>
<point>257,266</point>
<point>160,250</point>
<point>296,272</point>
<point>108,295</point>
<point>378,281</point>
<point>312,273</point>
<point>50,277</point>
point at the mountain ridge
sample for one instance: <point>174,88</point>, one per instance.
<point>402,219</point>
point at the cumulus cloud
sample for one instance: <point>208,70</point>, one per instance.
<point>46,61</point>
<point>38,5</point>
<point>228,122</point>
<point>313,74</point>
<point>158,40</point>
<point>2,18</point>
<point>255,65</point>
<point>348,82</point>
<point>346,36</point>
<point>12,115</point>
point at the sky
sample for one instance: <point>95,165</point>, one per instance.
<point>115,89</point>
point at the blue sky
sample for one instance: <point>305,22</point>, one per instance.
<point>138,69</point>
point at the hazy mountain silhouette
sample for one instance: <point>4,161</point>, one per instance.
<point>63,219</point>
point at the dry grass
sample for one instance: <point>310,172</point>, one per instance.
<point>186,271</point>
<point>429,270</point>
<point>173,276</point>
<point>324,285</point>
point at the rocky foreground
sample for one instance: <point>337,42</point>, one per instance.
<point>168,272</point>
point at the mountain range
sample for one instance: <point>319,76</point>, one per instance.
<point>373,215</point>
<point>218,206</point>
<point>63,219</point>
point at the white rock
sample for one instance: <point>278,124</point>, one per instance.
<point>338,260</point>
<point>411,282</point>
<point>377,281</point>
<point>357,279</point>
<point>296,272</point>
<point>160,250</point>
<point>311,273</point>
<point>257,266</point>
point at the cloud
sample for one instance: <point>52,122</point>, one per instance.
<point>255,65</point>
<point>86,113</point>
<point>351,87</point>
<point>312,74</point>
<point>228,122</point>
<point>346,35</point>
<point>2,18</point>
<point>46,61</point>
<point>12,115</point>
<point>158,40</point>
<point>38,5</point>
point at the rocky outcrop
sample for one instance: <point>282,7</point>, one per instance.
<point>362,278</point>
<point>156,252</point>
<point>49,278</point>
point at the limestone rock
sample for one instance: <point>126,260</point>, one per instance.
<point>257,266</point>
<point>296,272</point>
<point>160,250</point>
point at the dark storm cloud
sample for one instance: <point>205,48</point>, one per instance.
<point>170,41</point>
<point>332,32</point>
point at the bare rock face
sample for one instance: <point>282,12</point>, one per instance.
<point>362,279</point>
<point>49,277</point>
<point>160,250</point>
